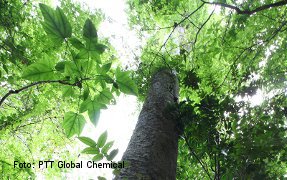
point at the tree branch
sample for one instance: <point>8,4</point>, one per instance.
<point>196,157</point>
<point>249,12</point>
<point>249,49</point>
<point>77,83</point>
<point>173,29</point>
<point>197,33</point>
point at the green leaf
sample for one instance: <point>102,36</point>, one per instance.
<point>91,150</point>
<point>55,24</point>
<point>88,141</point>
<point>68,91</point>
<point>5,68</point>
<point>94,115</point>
<point>92,47</point>
<point>106,78</point>
<point>89,31</point>
<point>83,54</point>
<point>115,85</point>
<point>65,27</point>
<point>107,147</point>
<point>60,66</point>
<point>102,139</point>
<point>73,123</point>
<point>112,155</point>
<point>95,55</point>
<point>40,71</point>
<point>86,93</point>
<point>101,178</point>
<point>104,97</point>
<point>71,69</point>
<point>88,104</point>
<point>98,157</point>
<point>93,108</point>
<point>104,69</point>
<point>85,105</point>
<point>77,43</point>
<point>125,83</point>
<point>116,172</point>
<point>99,48</point>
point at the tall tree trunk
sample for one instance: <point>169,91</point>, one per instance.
<point>152,150</point>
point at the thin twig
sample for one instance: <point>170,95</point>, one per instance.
<point>200,28</point>
<point>196,157</point>
<point>173,29</point>
<point>77,83</point>
<point>264,42</point>
<point>248,12</point>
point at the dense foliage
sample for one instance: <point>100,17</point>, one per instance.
<point>223,56</point>
<point>56,74</point>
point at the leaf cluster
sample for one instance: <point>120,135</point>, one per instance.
<point>56,75</point>
<point>223,59</point>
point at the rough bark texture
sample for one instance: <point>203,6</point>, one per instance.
<point>152,150</point>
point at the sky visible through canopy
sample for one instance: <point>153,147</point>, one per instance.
<point>119,120</point>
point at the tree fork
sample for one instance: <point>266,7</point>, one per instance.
<point>152,150</point>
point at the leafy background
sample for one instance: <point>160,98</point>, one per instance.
<point>59,75</point>
<point>63,78</point>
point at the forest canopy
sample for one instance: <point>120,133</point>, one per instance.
<point>57,74</point>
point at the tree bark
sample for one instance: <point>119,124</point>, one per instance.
<point>152,150</point>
